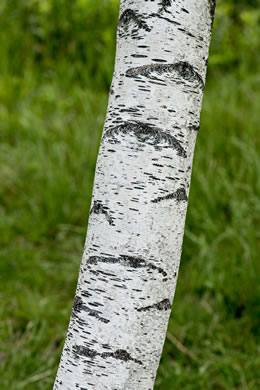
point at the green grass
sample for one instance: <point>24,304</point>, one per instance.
<point>217,305</point>
<point>51,118</point>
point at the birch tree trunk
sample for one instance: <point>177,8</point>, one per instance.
<point>131,258</point>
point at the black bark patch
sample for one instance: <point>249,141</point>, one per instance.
<point>130,16</point>
<point>99,208</point>
<point>80,350</point>
<point>183,70</point>
<point>163,305</point>
<point>212,8</point>
<point>164,4</point>
<point>194,127</point>
<point>79,306</point>
<point>179,195</point>
<point>146,134</point>
<point>126,261</point>
<point>119,354</point>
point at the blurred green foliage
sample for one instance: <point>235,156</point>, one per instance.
<point>236,36</point>
<point>56,64</point>
<point>49,33</point>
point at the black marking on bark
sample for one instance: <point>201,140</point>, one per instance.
<point>99,208</point>
<point>79,350</point>
<point>164,4</point>
<point>212,8</point>
<point>167,19</point>
<point>194,127</point>
<point>126,261</point>
<point>129,16</point>
<point>79,306</point>
<point>185,10</point>
<point>186,32</point>
<point>163,305</point>
<point>139,55</point>
<point>119,354</point>
<point>158,60</point>
<point>86,293</point>
<point>179,195</point>
<point>146,134</point>
<point>183,69</point>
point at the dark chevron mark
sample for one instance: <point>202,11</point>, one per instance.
<point>179,195</point>
<point>119,354</point>
<point>79,306</point>
<point>98,208</point>
<point>146,134</point>
<point>164,4</point>
<point>129,16</point>
<point>183,70</point>
<point>126,261</point>
<point>164,305</point>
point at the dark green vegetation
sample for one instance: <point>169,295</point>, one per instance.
<point>56,61</point>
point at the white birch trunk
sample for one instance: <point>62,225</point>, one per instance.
<point>135,231</point>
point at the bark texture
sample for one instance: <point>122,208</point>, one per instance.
<point>131,257</point>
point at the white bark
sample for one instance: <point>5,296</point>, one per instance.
<point>133,247</point>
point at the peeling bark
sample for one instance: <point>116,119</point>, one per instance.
<point>131,257</point>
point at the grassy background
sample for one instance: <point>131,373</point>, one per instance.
<point>56,62</point>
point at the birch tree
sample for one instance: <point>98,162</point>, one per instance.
<point>132,252</point>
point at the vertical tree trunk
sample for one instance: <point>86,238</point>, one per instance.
<point>131,258</point>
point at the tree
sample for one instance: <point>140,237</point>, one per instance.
<point>131,257</point>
